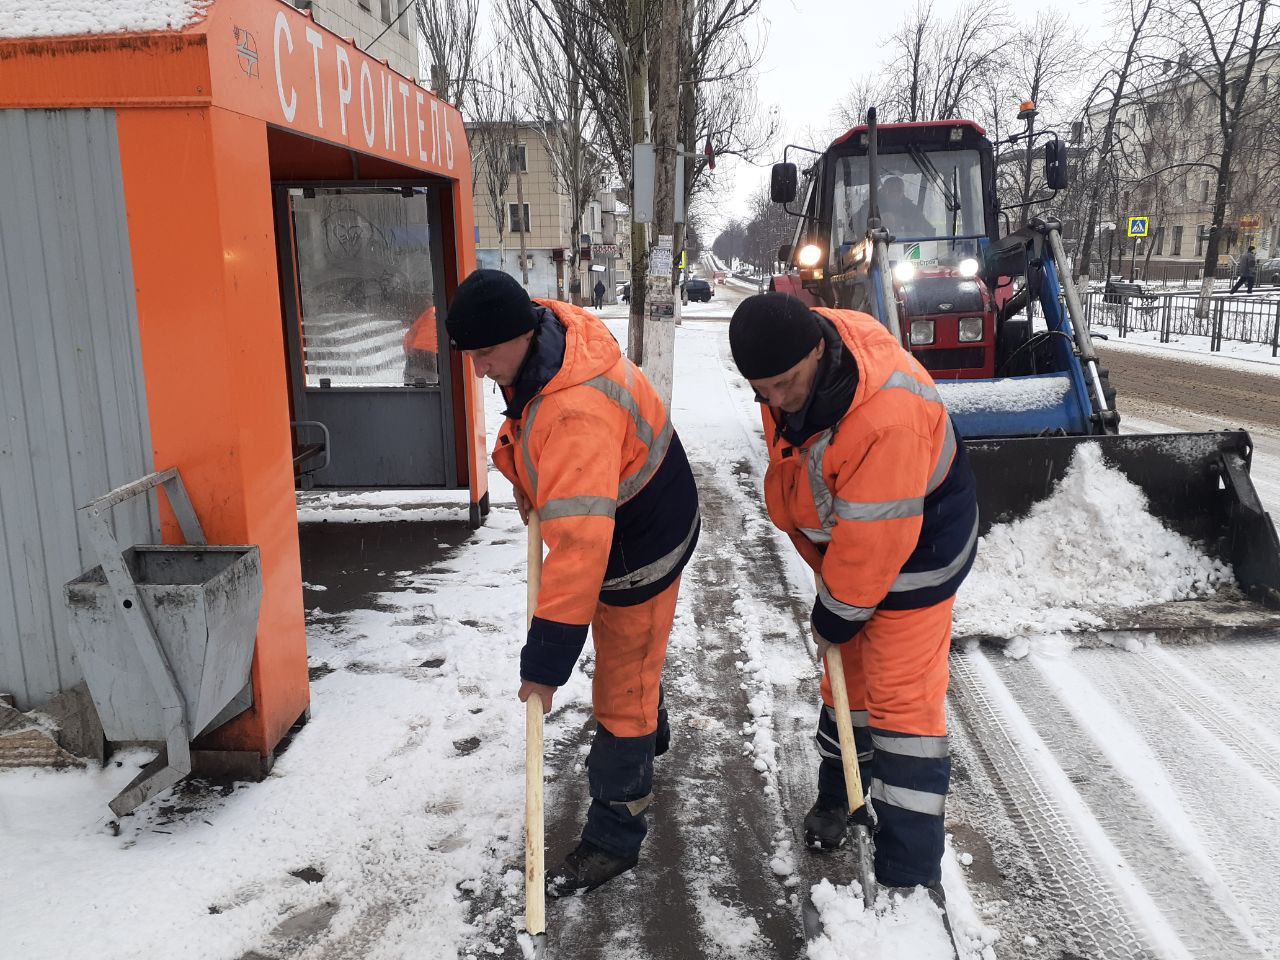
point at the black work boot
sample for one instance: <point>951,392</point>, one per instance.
<point>585,869</point>
<point>826,826</point>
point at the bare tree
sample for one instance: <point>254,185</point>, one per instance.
<point>719,105</point>
<point>731,243</point>
<point>868,90</point>
<point>448,29</point>
<point>551,54</point>
<point>492,133</point>
<point>769,227</point>
<point>1046,58</point>
<point>1113,89</point>
<point>940,64</point>
<point>1220,42</point>
<point>611,40</point>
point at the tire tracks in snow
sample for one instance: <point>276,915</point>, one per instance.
<point>1114,769</point>
<point>1251,743</point>
<point>1094,922</point>
<point>1235,818</point>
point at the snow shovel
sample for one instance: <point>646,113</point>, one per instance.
<point>864,867</point>
<point>535,892</point>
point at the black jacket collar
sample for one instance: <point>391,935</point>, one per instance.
<point>541,363</point>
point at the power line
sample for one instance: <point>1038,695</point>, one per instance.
<point>394,21</point>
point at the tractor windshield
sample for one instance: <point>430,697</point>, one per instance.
<point>931,201</point>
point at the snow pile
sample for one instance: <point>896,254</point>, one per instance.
<point>895,928</point>
<point>1089,547</point>
<point>60,18</point>
<point>1006,396</point>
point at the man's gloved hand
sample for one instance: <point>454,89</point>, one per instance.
<point>524,505</point>
<point>823,647</point>
<point>528,688</point>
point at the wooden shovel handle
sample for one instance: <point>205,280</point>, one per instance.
<point>844,724</point>
<point>535,907</point>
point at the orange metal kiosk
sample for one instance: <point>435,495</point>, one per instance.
<point>288,198</point>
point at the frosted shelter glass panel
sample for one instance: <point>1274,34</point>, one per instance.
<point>367,287</point>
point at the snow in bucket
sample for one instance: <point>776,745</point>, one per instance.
<point>1089,547</point>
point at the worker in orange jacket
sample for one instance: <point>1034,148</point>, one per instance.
<point>588,443</point>
<point>870,481</point>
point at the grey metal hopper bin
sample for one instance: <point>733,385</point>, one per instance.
<point>164,634</point>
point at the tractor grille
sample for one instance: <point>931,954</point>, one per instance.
<point>955,358</point>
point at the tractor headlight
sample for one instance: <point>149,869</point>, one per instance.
<point>921,332</point>
<point>970,329</point>
<point>810,255</point>
<point>904,272</point>
<point>967,268</point>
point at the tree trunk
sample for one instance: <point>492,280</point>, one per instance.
<point>660,332</point>
<point>1215,226</point>
<point>1108,140</point>
<point>637,58</point>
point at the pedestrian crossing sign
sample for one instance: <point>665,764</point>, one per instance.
<point>1138,226</point>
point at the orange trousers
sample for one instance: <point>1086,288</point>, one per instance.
<point>631,645</point>
<point>895,668</point>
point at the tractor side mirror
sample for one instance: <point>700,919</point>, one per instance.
<point>1055,165</point>
<point>784,253</point>
<point>783,183</point>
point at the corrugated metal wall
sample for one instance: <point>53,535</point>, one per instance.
<point>73,420</point>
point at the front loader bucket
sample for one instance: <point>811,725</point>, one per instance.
<point>1197,484</point>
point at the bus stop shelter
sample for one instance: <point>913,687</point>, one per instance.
<point>228,249</point>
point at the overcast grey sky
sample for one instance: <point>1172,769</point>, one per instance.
<point>813,50</point>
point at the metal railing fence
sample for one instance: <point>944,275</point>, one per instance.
<point>1240,319</point>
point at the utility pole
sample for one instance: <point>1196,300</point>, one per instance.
<point>638,94</point>
<point>660,322</point>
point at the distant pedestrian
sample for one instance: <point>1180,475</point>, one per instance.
<point>1248,270</point>
<point>598,290</point>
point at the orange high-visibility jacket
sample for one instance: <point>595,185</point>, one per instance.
<point>588,441</point>
<point>883,505</point>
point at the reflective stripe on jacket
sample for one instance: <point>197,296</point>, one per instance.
<point>596,454</point>
<point>883,505</point>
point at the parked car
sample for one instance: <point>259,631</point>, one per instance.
<point>1269,272</point>
<point>697,290</point>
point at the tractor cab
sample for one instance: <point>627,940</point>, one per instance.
<point>936,201</point>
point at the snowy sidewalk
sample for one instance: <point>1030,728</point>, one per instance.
<point>1106,802</point>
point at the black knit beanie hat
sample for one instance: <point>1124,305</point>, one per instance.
<point>770,333</point>
<point>488,308</point>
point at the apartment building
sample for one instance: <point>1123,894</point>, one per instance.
<point>1169,134</point>
<point>386,29</point>
<point>545,219</point>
